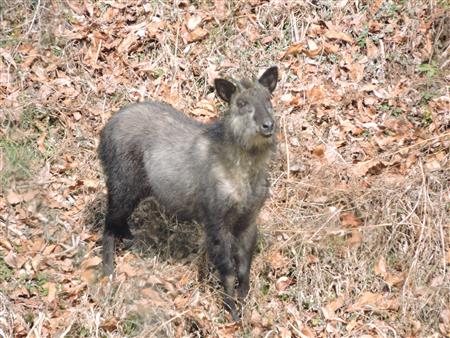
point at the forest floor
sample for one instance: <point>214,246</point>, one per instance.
<point>355,238</point>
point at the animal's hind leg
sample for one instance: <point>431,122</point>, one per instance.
<point>120,208</point>
<point>115,227</point>
<point>108,251</point>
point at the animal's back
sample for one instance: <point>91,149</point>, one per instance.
<point>169,148</point>
<point>146,123</point>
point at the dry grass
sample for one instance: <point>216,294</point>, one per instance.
<point>355,238</point>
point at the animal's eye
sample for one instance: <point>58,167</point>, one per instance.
<point>241,103</point>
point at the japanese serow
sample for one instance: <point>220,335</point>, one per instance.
<point>216,174</point>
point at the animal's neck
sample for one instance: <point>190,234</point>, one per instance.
<point>232,154</point>
<point>253,158</point>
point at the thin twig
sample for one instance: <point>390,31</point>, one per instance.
<point>34,17</point>
<point>287,147</point>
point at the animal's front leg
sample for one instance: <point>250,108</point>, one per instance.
<point>219,250</point>
<point>245,245</point>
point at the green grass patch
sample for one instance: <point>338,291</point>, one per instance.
<point>426,118</point>
<point>29,117</point>
<point>19,159</point>
<point>265,288</point>
<point>394,111</point>
<point>37,285</point>
<point>429,69</point>
<point>426,97</point>
<point>19,152</point>
<point>6,272</point>
<point>133,325</point>
<point>361,38</point>
<point>78,330</point>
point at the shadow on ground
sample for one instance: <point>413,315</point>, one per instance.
<point>155,233</point>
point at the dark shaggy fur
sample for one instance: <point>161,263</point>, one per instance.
<point>213,173</point>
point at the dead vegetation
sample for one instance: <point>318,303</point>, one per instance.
<point>355,239</point>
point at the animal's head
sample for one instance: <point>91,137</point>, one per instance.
<point>250,118</point>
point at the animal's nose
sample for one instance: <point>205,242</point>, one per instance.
<point>267,128</point>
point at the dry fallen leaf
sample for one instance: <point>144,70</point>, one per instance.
<point>372,50</point>
<point>91,183</point>
<point>349,126</point>
<point>6,244</point>
<point>197,34</point>
<point>316,94</point>
<point>331,34</point>
<point>329,310</point>
<point>380,267</point>
<point>319,151</point>
<point>355,239</point>
<point>349,220</point>
<point>395,279</point>
<point>11,259</point>
<point>13,197</point>
<point>375,6</point>
<point>89,7</point>
<point>91,262</point>
<point>205,108</point>
<point>444,325</point>
<point>391,279</point>
<point>154,297</point>
<point>41,143</point>
<point>126,268</point>
<point>29,195</point>
<point>293,49</point>
<point>88,276</point>
<point>109,324</point>
<point>277,260</point>
<point>36,262</point>
<point>220,10</point>
<point>52,292</point>
<point>356,71</point>
<point>313,50</point>
<point>306,332</point>
<point>284,332</point>
<point>193,22</point>
<point>360,169</point>
<point>330,48</point>
<point>128,43</point>
<point>311,259</point>
<point>15,261</point>
<point>228,330</point>
<point>283,282</point>
<point>370,301</point>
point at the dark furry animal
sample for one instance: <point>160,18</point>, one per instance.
<point>213,173</point>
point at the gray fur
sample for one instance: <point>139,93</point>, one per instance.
<point>213,173</point>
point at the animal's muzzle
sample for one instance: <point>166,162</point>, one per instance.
<point>266,129</point>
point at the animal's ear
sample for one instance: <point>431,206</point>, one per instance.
<point>269,78</point>
<point>225,89</point>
